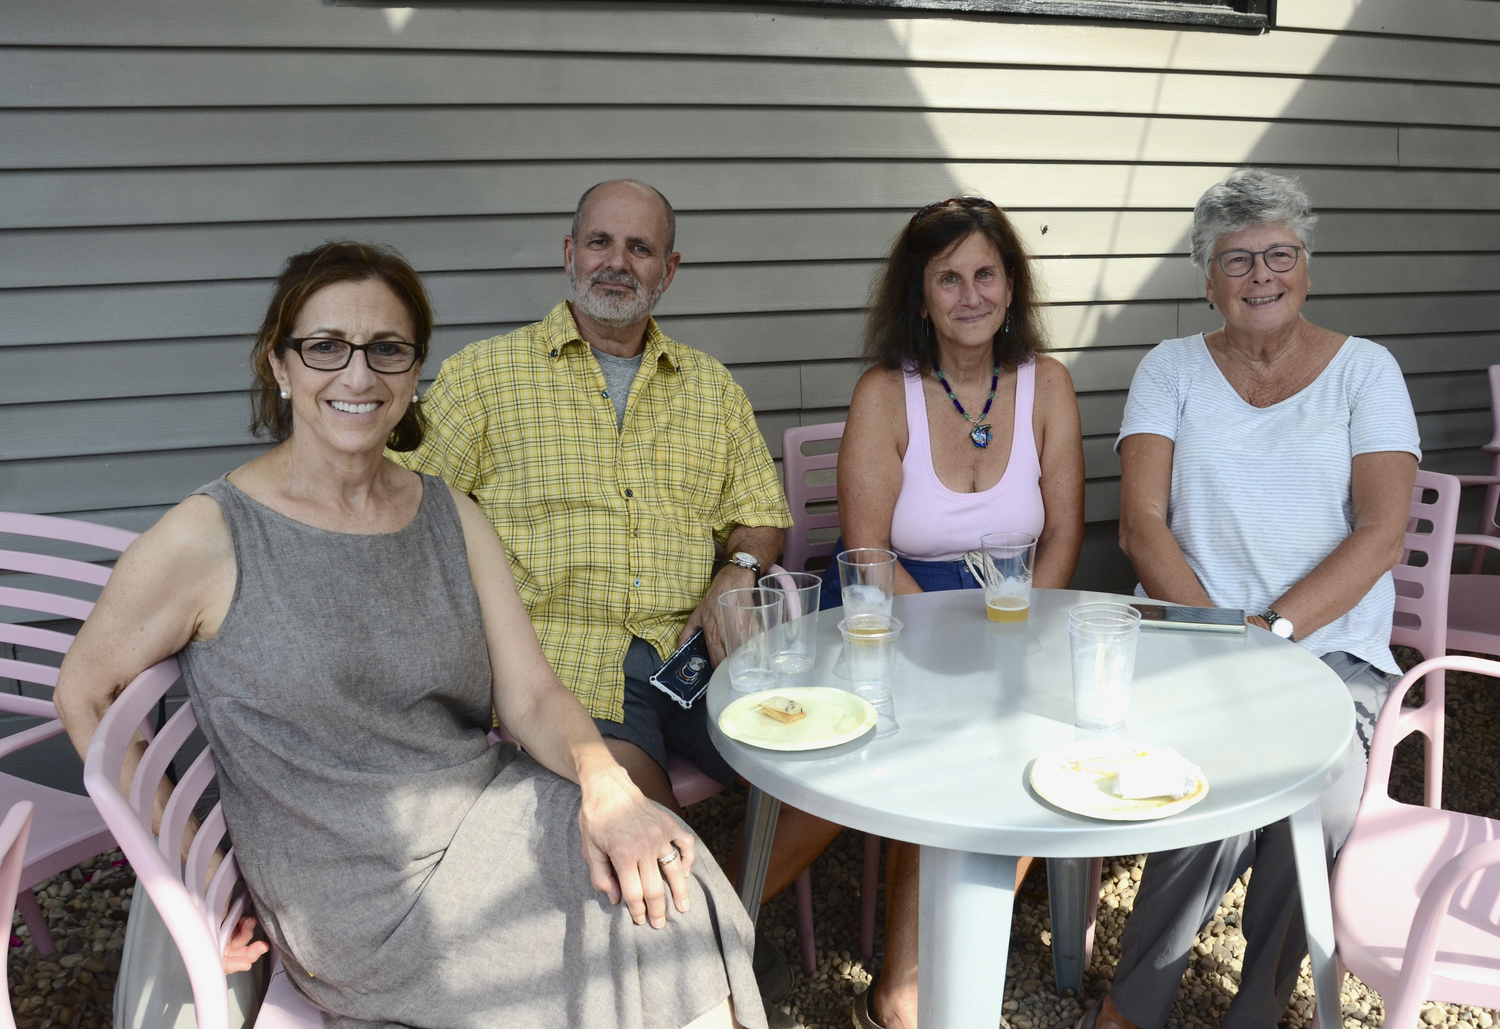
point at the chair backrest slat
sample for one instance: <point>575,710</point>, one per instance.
<point>200,855</point>
<point>174,819</point>
<point>46,603</point>
<point>70,530</point>
<point>32,636</point>
<point>56,567</point>
<point>796,467</point>
<point>14,832</point>
<point>1422,589</point>
<point>28,671</point>
<point>17,704</point>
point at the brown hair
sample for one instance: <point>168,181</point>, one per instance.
<point>896,334</point>
<point>303,275</point>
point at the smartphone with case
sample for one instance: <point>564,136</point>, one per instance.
<point>1198,619</point>
<point>685,676</point>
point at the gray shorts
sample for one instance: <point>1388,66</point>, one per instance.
<point>655,723</point>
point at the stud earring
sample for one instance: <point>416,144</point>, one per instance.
<point>285,395</point>
<point>1211,305</point>
<point>416,397</point>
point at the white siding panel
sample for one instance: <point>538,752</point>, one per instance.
<point>141,254</point>
<point>1456,19</point>
<point>135,138</point>
<point>132,196</point>
<point>84,78</point>
<point>775,33</point>
<point>114,481</point>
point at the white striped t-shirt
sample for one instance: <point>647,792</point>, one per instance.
<point>1260,495</point>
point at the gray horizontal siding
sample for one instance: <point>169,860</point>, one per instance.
<point>162,157</point>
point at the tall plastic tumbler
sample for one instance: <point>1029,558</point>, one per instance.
<point>799,630</point>
<point>867,577</point>
<point>751,619</point>
<point>1103,638</point>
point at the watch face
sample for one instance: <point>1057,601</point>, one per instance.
<point>1282,628</point>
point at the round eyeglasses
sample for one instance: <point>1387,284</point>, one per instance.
<point>387,356</point>
<point>966,202</point>
<point>1239,262</point>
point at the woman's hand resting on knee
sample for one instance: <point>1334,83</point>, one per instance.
<point>624,837</point>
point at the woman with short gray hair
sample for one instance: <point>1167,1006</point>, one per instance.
<point>1268,466</point>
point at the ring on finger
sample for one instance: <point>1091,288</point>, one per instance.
<point>671,858</point>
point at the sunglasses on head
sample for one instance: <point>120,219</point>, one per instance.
<point>970,203</point>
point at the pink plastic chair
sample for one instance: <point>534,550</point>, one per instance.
<point>1415,887</point>
<point>811,492</point>
<point>13,833</point>
<point>200,910</point>
<point>1474,599</point>
<point>1421,617</point>
<point>66,828</point>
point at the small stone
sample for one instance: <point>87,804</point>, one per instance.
<point>1433,1015</point>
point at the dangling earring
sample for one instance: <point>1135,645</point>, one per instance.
<point>927,325</point>
<point>1006,327</point>
<point>415,397</point>
<point>285,395</point>
<point>1211,305</point>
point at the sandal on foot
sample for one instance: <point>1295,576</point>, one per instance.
<point>1090,1015</point>
<point>860,1012</point>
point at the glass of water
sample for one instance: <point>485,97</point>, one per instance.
<point>867,576</point>
<point>1103,638</point>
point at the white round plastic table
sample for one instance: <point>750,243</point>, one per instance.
<point>977,701</point>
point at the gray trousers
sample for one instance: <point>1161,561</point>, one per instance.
<point>1181,889</point>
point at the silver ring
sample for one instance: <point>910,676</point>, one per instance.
<point>670,858</point>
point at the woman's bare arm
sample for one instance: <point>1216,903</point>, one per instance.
<point>1380,486</point>
<point>1145,488</point>
<point>1060,448</point>
<point>172,585</point>
<point>869,471</point>
<point>623,833</point>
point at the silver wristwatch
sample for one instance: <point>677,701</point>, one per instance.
<point>1279,625</point>
<point>747,561</point>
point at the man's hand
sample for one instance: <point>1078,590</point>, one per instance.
<point>624,835</point>
<point>706,615</point>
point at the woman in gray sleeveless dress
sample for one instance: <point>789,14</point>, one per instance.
<point>346,628</point>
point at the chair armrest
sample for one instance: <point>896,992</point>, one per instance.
<point>1422,940</point>
<point>1391,727</point>
<point>1478,480</point>
<point>1472,540</point>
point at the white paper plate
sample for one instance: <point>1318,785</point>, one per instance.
<point>1079,777</point>
<point>833,717</point>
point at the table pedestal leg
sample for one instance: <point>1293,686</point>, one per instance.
<point>1317,911</point>
<point>761,810</point>
<point>1071,895</point>
<point>964,938</point>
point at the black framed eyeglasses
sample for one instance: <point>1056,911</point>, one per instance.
<point>325,354</point>
<point>970,203</point>
<point>1236,263</point>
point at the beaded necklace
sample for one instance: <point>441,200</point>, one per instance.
<point>981,434</point>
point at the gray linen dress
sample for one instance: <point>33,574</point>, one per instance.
<point>408,873</point>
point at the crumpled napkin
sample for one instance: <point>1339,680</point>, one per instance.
<point>1160,772</point>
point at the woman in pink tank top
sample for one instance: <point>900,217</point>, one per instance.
<point>961,428</point>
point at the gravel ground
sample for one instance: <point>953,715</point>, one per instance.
<point>87,908</point>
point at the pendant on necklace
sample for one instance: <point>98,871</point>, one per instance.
<point>981,436</point>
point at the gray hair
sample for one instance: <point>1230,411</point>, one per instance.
<point>1250,197</point>
<point>665,203</point>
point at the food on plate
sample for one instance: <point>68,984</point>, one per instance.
<point>783,709</point>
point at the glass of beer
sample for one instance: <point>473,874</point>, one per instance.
<point>1008,561</point>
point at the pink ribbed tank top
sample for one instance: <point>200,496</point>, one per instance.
<point>934,523</point>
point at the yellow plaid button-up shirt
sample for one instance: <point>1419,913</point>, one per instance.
<point>610,532</point>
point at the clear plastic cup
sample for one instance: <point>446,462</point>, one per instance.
<point>867,578</point>
<point>1009,558</point>
<point>1103,638</point>
<point>751,619</point>
<point>871,650</point>
<point>798,647</point>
